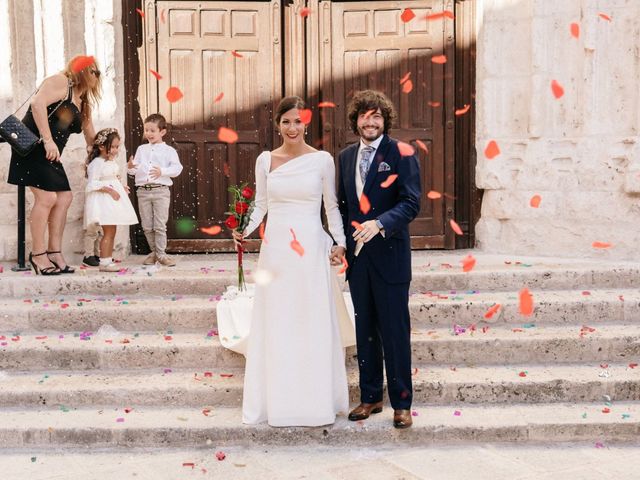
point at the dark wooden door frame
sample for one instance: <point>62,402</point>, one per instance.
<point>468,198</point>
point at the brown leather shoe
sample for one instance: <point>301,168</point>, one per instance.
<point>402,418</point>
<point>362,411</point>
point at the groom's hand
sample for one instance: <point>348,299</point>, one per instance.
<point>337,254</point>
<point>368,230</point>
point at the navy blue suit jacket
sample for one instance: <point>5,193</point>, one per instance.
<point>395,206</point>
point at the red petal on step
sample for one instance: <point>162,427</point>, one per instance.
<point>433,195</point>
<point>208,374</point>
<point>390,179</point>
<point>422,146</point>
<point>357,225</point>
<point>439,59</point>
<point>220,456</point>
<point>601,245</point>
<point>557,89</point>
<point>604,16</point>
<point>455,227</point>
<point>405,78</point>
<point>304,12</point>
<point>345,265</point>
<point>407,87</point>
<point>189,464</point>
<point>305,115</point>
<point>575,30</point>
<point>174,94</point>
<point>492,150</point>
<point>405,149</point>
<point>219,97</point>
<point>227,135</point>
<point>327,105</point>
<point>535,201</point>
<point>463,110</point>
<point>226,375</point>
<point>365,205</point>
<point>523,374</point>
<point>156,74</point>
<point>213,230</point>
<point>606,410</point>
<point>633,365</point>
<point>140,12</point>
<point>81,62</point>
<point>468,263</point>
<point>206,411</point>
<point>236,54</point>
<point>491,312</point>
<point>526,302</point>
<point>407,15</point>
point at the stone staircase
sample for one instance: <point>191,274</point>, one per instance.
<point>160,378</point>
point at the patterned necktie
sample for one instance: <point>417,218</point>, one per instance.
<point>365,154</point>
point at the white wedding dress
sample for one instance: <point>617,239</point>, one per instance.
<point>295,371</point>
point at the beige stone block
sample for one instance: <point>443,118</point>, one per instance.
<point>632,179</point>
<point>504,106</point>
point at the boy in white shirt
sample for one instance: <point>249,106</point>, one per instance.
<point>153,166</point>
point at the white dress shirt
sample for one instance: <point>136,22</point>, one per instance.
<point>149,155</point>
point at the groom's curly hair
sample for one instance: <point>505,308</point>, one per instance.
<point>367,100</point>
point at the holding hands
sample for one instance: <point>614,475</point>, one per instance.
<point>337,254</point>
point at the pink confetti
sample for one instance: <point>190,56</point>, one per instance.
<point>599,445</point>
<point>457,413</point>
<point>120,420</point>
<point>414,413</point>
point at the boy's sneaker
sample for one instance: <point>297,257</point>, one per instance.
<point>92,261</point>
<point>110,267</point>
<point>150,259</point>
<point>167,261</point>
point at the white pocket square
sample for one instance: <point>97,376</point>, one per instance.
<point>384,167</point>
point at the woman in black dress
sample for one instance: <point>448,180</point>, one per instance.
<point>70,95</point>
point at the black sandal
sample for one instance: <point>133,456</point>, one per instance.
<point>66,269</point>
<point>45,270</point>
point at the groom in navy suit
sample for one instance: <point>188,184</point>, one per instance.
<point>378,196</point>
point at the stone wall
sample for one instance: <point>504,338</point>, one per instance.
<point>43,35</point>
<point>579,152</point>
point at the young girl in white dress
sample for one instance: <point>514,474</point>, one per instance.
<point>107,202</point>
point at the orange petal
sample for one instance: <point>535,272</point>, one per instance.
<point>305,115</point>
<point>140,12</point>
<point>455,227</point>
<point>438,15</point>
<point>492,150</point>
<point>535,201</point>
<point>327,105</point>
<point>405,149</point>
<point>82,62</point>
<point>405,78</point>
<point>390,179</point>
<point>433,195</point>
<point>365,205</point>
<point>369,113</point>
<point>433,104</point>
<point>356,225</point>
<point>227,135</point>
<point>407,15</point>
<point>219,97</point>
<point>174,94</point>
<point>463,110</point>
<point>213,230</point>
<point>605,16</point>
<point>526,302</point>
<point>492,311</point>
<point>439,59</point>
<point>156,74</point>
<point>557,89</point>
<point>295,244</point>
<point>304,12</point>
<point>236,54</point>
<point>345,265</point>
<point>601,245</point>
<point>407,87</point>
<point>468,263</point>
<point>163,18</point>
<point>421,144</point>
<point>575,30</point>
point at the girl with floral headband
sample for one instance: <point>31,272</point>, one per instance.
<point>107,202</point>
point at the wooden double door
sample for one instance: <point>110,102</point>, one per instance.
<point>234,61</point>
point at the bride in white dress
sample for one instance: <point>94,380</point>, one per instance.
<point>295,371</point>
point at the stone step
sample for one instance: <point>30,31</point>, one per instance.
<point>197,313</point>
<point>435,271</point>
<point>223,388</point>
<point>191,427</point>
<point>490,346</point>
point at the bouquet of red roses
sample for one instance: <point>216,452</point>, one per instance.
<point>238,219</point>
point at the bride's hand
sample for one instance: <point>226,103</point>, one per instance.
<point>238,239</point>
<point>337,254</point>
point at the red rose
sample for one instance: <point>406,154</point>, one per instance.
<point>247,193</point>
<point>241,208</point>
<point>231,222</point>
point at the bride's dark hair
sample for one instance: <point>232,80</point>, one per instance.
<point>286,104</point>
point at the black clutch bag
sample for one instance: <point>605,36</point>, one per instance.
<point>18,135</point>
